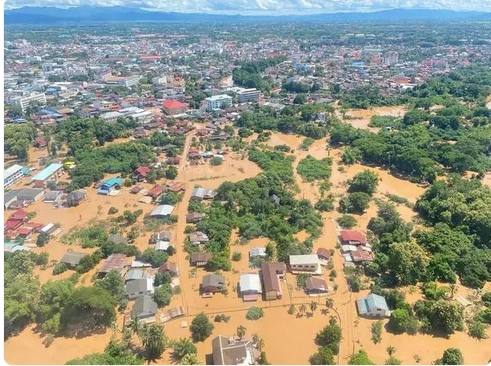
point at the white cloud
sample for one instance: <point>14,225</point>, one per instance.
<point>266,6</point>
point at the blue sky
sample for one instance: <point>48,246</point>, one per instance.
<point>273,7</point>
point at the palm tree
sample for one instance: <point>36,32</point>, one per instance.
<point>135,325</point>
<point>332,320</point>
<point>303,308</point>
<point>255,338</point>
<point>453,289</point>
<point>292,310</point>
<point>153,340</point>
<point>260,345</point>
<point>241,331</point>
<point>329,303</point>
<point>190,359</point>
<point>390,350</point>
<point>313,306</point>
<point>183,347</point>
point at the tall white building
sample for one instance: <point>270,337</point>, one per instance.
<point>391,58</point>
<point>218,101</point>
<point>24,102</point>
<point>130,81</point>
<point>12,175</point>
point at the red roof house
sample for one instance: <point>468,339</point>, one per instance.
<point>350,237</point>
<point>12,224</point>
<point>19,215</point>
<point>141,172</point>
<point>155,192</point>
<point>25,231</point>
<point>172,106</point>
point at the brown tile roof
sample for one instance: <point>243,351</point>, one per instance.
<point>114,262</point>
<point>314,283</point>
<point>270,273</point>
<point>200,257</point>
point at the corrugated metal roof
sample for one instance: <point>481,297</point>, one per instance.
<point>46,172</point>
<point>162,210</point>
<point>250,282</point>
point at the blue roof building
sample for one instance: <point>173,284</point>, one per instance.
<point>373,306</point>
<point>48,173</point>
<point>109,185</point>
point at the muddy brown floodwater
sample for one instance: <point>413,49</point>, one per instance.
<point>288,339</point>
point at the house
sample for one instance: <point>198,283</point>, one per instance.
<point>306,263</point>
<point>169,267</point>
<point>52,196</point>
<point>72,259</point>
<point>25,232</point>
<point>117,239</point>
<point>360,256</point>
<point>202,194</point>
<point>155,192</point>
<point>109,185</point>
<point>212,283</point>
<point>173,107</point>
<point>250,286</point>
<point>140,173</point>
<point>18,198</point>
<point>140,287</point>
<point>134,274</point>
<point>163,236</point>
<point>52,172</point>
<point>39,142</point>
<point>229,351</point>
<point>75,198</point>
<point>373,306</point>
<point>324,255</point>
<point>115,262</point>
<point>199,259</point>
<point>139,134</point>
<point>162,211</point>
<point>257,252</point>
<point>272,273</point>
<point>350,237</point>
<point>316,286</point>
<point>198,238</point>
<point>136,189</point>
<point>12,225</point>
<point>194,217</point>
<point>176,187</point>
<point>144,308</point>
<point>19,215</point>
<point>162,245</point>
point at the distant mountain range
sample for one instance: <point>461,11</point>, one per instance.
<point>51,15</point>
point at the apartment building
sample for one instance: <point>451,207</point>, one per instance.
<point>24,102</point>
<point>129,81</point>
<point>12,175</point>
<point>248,95</point>
<point>218,101</point>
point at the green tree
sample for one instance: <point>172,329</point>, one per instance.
<point>313,306</point>
<point>451,356</point>
<point>162,295</point>
<point>366,181</point>
<point>330,336</point>
<point>190,359</point>
<point>407,262</point>
<point>360,358</point>
<point>114,284</point>
<point>42,239</point>
<point>241,331</point>
<point>201,327</point>
<point>401,321</point>
<point>376,329</point>
<point>356,202</point>
<point>323,356</point>
<point>347,221</point>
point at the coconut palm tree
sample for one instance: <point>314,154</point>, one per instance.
<point>332,320</point>
<point>183,347</point>
<point>313,306</point>
<point>135,325</point>
<point>241,331</point>
<point>153,340</point>
<point>255,338</point>
<point>329,303</point>
<point>303,308</point>
<point>390,350</point>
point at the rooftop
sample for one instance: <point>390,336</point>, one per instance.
<point>47,172</point>
<point>11,170</point>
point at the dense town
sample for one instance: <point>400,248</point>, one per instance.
<point>188,195</point>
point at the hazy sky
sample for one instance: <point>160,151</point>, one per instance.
<point>267,6</point>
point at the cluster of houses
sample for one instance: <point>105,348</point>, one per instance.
<point>19,227</point>
<point>355,247</point>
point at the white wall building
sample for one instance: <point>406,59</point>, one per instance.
<point>218,101</point>
<point>12,175</point>
<point>248,95</point>
<point>24,102</point>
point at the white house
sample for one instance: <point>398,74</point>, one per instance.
<point>309,263</point>
<point>250,286</point>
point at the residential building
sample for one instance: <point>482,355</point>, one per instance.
<point>350,237</point>
<point>203,194</point>
<point>218,101</point>
<point>109,185</point>
<point>140,287</point>
<point>162,211</point>
<point>169,267</point>
<point>52,196</point>
<point>117,239</point>
<point>140,173</point>
<point>198,238</point>
<point>12,175</point>
<point>248,95</point>
<point>144,308</point>
<point>111,117</point>
<point>72,259</point>
<point>272,273</point>
<point>20,197</point>
<point>305,263</point>
<point>52,172</point>
<point>25,101</point>
<point>229,351</point>
<point>194,217</point>
<point>373,306</point>
<point>212,283</point>
<point>115,262</point>
<point>250,286</point>
<point>163,236</point>
<point>129,81</point>
<point>173,107</point>
<point>257,252</point>
<point>199,259</point>
<point>75,198</point>
<point>316,286</point>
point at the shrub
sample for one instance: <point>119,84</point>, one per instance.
<point>376,329</point>
<point>112,211</point>
<point>59,268</point>
<point>236,256</point>
<point>254,313</point>
<point>325,205</point>
<point>216,160</point>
